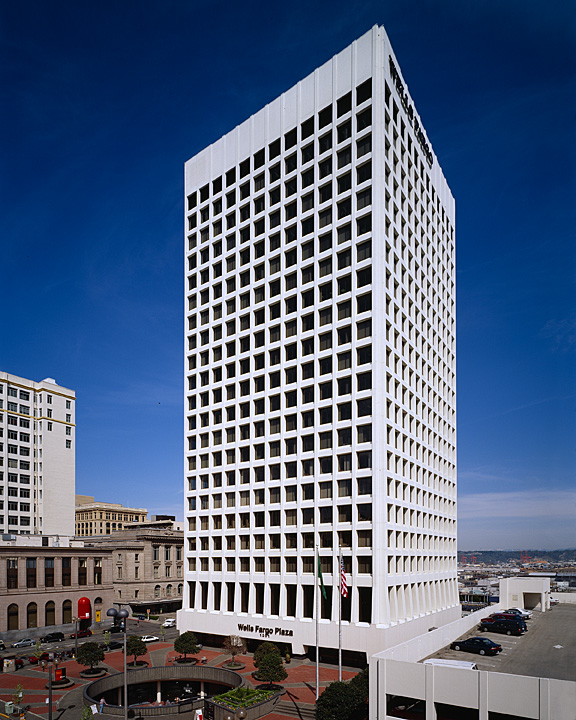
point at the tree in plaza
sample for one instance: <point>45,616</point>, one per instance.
<point>341,701</point>
<point>271,668</point>
<point>187,644</point>
<point>18,694</point>
<point>265,648</point>
<point>89,654</point>
<point>360,683</point>
<point>136,647</point>
<point>86,713</point>
<point>107,637</point>
<point>38,649</point>
<point>234,645</point>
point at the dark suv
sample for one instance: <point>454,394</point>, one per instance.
<point>510,627</point>
<point>53,637</point>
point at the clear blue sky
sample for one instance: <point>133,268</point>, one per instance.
<point>101,103</point>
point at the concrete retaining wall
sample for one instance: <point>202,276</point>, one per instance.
<point>432,641</point>
<point>204,673</point>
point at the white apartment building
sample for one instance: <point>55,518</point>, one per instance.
<point>37,456</point>
<point>320,366</point>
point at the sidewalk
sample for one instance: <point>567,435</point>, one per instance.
<point>300,685</point>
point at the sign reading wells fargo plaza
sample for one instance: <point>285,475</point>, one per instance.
<point>265,632</point>
<point>407,105</point>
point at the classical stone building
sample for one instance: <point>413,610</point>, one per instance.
<point>48,581</point>
<point>148,565</point>
<point>101,518</point>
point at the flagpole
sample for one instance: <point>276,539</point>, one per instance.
<point>317,602</point>
<point>339,614</point>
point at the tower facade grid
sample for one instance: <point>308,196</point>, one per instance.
<point>320,365</point>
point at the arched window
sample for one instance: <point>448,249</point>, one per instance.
<point>32,615</point>
<point>168,589</point>
<point>157,591</point>
<point>98,601</point>
<point>180,588</point>
<point>67,611</point>
<point>50,613</point>
<point>12,617</point>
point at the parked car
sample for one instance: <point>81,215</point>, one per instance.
<point>33,660</point>
<point>25,642</point>
<point>53,637</point>
<point>510,627</point>
<point>112,645</point>
<point>169,623</point>
<point>479,645</point>
<point>149,638</point>
<point>2,646</point>
<point>524,614</point>
<point>501,616</point>
<point>81,634</point>
<point>141,617</point>
<point>116,629</point>
<point>554,601</point>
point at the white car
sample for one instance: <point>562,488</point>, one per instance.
<point>169,622</point>
<point>524,614</point>
<point>149,638</point>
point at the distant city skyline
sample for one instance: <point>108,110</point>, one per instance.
<point>103,103</point>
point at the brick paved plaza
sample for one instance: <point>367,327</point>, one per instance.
<point>67,703</point>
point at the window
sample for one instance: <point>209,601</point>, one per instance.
<point>345,156</point>
<point>364,565</point>
<point>325,143</point>
<point>32,615</point>
<point>67,572</point>
<point>31,575</point>
<point>364,172</point>
<point>364,145</point>
<point>12,572</point>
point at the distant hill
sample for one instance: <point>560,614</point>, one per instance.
<point>493,557</point>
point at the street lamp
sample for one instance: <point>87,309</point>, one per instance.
<point>75,621</point>
<point>121,615</point>
<point>44,663</point>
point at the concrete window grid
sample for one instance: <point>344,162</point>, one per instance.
<point>427,476</point>
<point>24,430</point>
<point>299,336</point>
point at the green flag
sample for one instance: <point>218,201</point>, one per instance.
<point>322,588</point>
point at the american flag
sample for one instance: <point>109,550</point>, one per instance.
<point>343,583</point>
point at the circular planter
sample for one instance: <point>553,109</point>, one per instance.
<point>233,666</point>
<point>95,673</point>
<point>278,689</point>
<point>57,684</point>
<point>185,661</point>
<point>139,664</point>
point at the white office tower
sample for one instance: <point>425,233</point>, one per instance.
<point>320,366</point>
<point>37,457</point>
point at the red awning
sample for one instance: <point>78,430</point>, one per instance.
<point>84,612</point>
